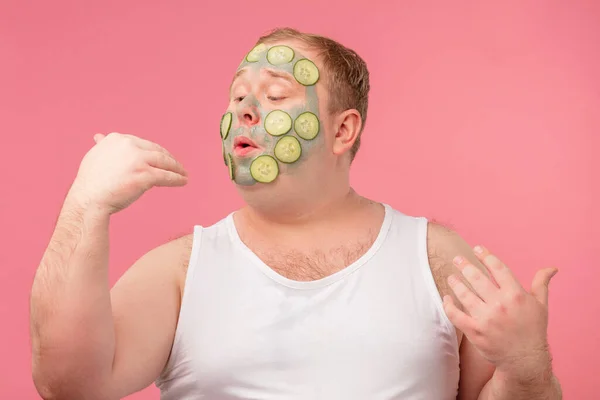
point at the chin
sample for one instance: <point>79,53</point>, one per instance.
<point>263,195</point>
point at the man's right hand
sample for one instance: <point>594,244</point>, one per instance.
<point>120,168</point>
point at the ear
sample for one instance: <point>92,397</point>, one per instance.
<point>348,126</point>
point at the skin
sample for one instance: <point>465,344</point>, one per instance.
<point>91,341</point>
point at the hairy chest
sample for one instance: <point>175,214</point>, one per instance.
<point>313,261</point>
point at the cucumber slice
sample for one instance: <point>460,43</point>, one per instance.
<point>278,123</point>
<point>224,155</point>
<point>264,169</point>
<point>288,149</point>
<point>306,72</point>
<point>278,55</point>
<point>254,54</point>
<point>307,125</point>
<point>226,125</point>
<point>230,166</point>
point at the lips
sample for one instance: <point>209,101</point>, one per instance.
<point>243,146</point>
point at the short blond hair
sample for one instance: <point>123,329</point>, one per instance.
<point>348,76</point>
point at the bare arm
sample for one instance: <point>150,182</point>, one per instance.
<point>88,342</point>
<point>72,330</point>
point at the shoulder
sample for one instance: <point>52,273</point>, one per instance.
<point>172,257</point>
<point>443,244</point>
<point>179,250</point>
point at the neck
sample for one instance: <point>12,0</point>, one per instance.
<point>303,200</point>
<point>316,210</point>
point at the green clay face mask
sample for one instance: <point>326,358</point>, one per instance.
<point>262,139</point>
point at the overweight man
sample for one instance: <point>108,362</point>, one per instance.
<point>310,291</point>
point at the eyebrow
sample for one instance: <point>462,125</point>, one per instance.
<point>280,75</point>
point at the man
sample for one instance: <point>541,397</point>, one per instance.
<point>310,291</point>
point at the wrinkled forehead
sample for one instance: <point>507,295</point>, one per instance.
<point>281,60</point>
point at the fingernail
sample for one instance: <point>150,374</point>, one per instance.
<point>458,260</point>
<point>478,249</point>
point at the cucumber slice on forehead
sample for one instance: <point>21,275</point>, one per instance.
<point>307,125</point>
<point>278,123</point>
<point>278,55</point>
<point>230,166</point>
<point>264,169</point>
<point>254,54</point>
<point>288,149</point>
<point>226,125</point>
<point>306,72</point>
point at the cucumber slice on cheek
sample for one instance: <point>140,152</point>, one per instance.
<point>264,169</point>
<point>288,149</point>
<point>278,123</point>
<point>278,55</point>
<point>226,125</point>
<point>307,125</point>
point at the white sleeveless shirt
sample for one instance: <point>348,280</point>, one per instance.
<point>374,330</point>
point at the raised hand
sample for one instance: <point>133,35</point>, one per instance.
<point>506,323</point>
<point>120,168</point>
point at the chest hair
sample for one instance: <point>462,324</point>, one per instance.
<point>314,262</point>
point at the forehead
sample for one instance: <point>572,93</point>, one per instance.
<point>277,59</point>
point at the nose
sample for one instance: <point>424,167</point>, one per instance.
<point>248,112</point>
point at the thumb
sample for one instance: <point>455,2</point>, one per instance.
<point>539,286</point>
<point>98,137</point>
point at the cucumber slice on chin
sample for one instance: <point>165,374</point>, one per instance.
<point>288,149</point>
<point>307,125</point>
<point>278,123</point>
<point>264,169</point>
<point>306,72</point>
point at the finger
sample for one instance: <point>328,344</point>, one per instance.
<point>480,283</point>
<point>471,302</point>
<point>161,177</point>
<point>541,281</point>
<point>501,273</point>
<point>459,319</point>
<point>147,145</point>
<point>98,137</point>
<point>161,160</point>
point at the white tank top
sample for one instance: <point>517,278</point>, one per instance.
<point>374,330</point>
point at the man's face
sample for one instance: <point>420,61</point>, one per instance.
<point>272,125</point>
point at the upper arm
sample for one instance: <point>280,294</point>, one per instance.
<point>443,245</point>
<point>145,304</point>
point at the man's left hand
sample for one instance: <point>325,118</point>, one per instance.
<point>506,323</point>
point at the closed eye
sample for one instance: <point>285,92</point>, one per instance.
<point>273,98</point>
<point>238,99</point>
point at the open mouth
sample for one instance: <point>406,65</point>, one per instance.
<point>243,145</point>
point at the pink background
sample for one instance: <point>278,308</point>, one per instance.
<point>483,117</point>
